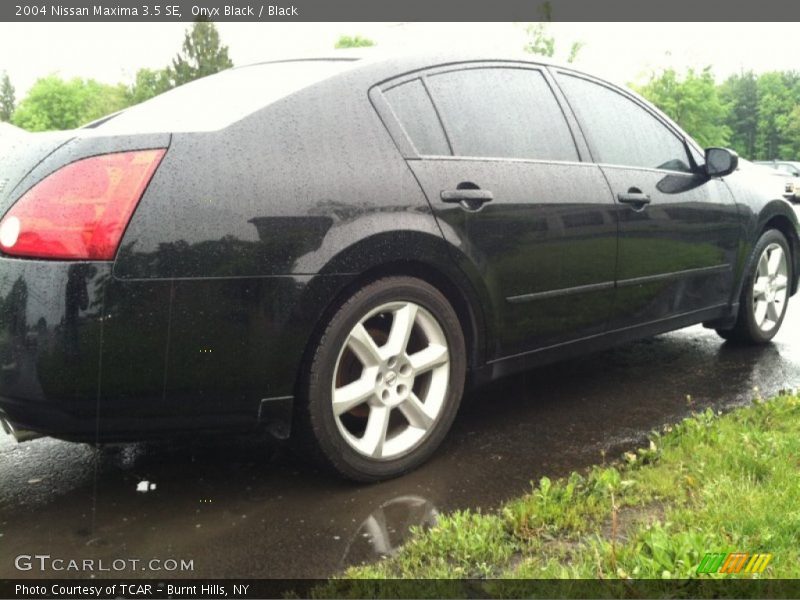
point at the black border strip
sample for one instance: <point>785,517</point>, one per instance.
<point>408,10</point>
<point>732,587</point>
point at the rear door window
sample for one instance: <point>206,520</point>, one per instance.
<point>500,112</point>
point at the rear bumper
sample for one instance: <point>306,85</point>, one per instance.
<point>50,336</point>
<point>87,357</point>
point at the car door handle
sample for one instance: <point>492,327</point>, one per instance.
<point>636,198</point>
<point>471,196</point>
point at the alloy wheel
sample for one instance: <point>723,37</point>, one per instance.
<point>390,380</point>
<point>770,287</point>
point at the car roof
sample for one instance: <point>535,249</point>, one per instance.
<point>397,63</point>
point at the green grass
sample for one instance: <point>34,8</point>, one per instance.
<point>712,483</point>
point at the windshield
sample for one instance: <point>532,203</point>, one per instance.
<point>214,102</point>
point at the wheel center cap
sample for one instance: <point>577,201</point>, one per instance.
<point>391,378</point>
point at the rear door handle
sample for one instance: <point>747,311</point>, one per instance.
<point>636,198</point>
<point>471,196</point>
<point>471,199</point>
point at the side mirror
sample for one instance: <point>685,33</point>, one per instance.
<point>721,162</point>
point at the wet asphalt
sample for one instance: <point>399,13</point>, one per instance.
<point>248,509</point>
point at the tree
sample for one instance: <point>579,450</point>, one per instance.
<point>543,44</point>
<point>355,41</point>
<point>149,83</point>
<point>202,54</point>
<point>7,99</point>
<point>779,94</point>
<point>740,94</point>
<point>790,149</point>
<point>53,103</point>
<point>540,43</point>
<point>693,101</point>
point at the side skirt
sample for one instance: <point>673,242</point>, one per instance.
<point>541,356</point>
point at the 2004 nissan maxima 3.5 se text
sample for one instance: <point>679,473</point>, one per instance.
<point>332,248</point>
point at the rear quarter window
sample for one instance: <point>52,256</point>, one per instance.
<point>413,108</point>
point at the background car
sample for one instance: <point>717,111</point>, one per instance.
<point>335,248</point>
<point>790,168</point>
<point>783,182</point>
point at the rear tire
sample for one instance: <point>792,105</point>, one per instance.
<point>765,292</point>
<point>384,381</point>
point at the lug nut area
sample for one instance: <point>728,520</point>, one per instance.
<point>394,381</point>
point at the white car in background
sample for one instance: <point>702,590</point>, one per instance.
<point>790,188</point>
<point>789,168</point>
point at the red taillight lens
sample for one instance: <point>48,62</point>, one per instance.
<point>81,210</point>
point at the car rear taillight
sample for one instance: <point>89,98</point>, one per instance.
<point>80,211</point>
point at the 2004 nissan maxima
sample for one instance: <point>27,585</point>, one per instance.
<point>332,248</point>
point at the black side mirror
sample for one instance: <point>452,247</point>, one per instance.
<point>721,162</point>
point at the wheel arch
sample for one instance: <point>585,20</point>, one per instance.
<point>455,287</point>
<point>789,228</point>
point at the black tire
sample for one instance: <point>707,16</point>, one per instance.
<point>746,330</point>
<point>316,432</point>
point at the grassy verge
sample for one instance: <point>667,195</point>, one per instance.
<point>712,483</point>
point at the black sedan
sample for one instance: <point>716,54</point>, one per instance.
<point>334,248</point>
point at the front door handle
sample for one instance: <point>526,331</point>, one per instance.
<point>635,197</point>
<point>468,198</point>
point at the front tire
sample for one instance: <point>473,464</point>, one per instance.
<point>765,292</point>
<point>385,381</point>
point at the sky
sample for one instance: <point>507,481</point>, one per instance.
<point>621,52</point>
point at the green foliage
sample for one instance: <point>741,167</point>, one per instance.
<point>711,483</point>
<point>756,115</point>
<point>790,148</point>
<point>693,101</point>
<point>543,44</point>
<point>149,83</point>
<point>202,54</point>
<point>355,41</point>
<point>574,50</point>
<point>53,103</point>
<point>539,41</point>
<point>7,98</point>
<point>779,95</point>
<point>740,94</point>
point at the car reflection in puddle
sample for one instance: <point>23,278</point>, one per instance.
<point>385,530</point>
